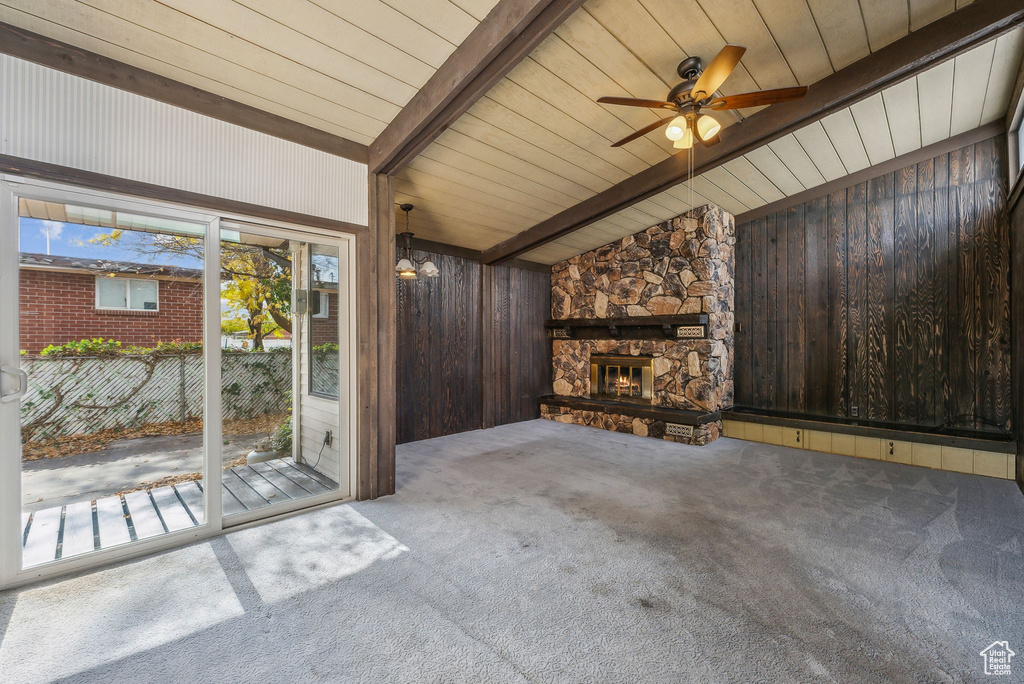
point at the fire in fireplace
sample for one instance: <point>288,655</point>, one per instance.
<point>622,377</point>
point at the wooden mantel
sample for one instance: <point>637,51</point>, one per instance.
<point>674,327</point>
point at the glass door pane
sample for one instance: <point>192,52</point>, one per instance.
<point>111,321</point>
<point>279,368</point>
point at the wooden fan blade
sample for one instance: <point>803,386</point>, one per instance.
<point>644,131</point>
<point>763,97</point>
<point>633,102</point>
<point>717,71</point>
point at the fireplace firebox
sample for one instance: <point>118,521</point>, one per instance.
<point>629,378</point>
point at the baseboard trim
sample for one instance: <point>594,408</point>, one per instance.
<point>909,433</point>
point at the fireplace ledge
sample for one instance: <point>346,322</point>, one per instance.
<point>675,327</point>
<point>669,415</point>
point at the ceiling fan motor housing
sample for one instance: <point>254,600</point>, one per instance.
<point>690,68</point>
<point>681,90</point>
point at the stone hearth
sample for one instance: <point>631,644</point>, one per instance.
<point>684,265</point>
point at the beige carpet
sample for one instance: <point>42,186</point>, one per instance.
<point>549,552</point>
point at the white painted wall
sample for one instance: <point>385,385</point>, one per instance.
<point>50,116</point>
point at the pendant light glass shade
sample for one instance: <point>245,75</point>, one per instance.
<point>707,127</point>
<point>676,128</point>
<point>429,270</point>
<point>405,269</point>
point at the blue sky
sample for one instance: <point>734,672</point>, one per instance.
<point>71,239</point>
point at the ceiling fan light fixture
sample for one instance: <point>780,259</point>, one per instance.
<point>676,128</point>
<point>707,127</point>
<point>685,142</point>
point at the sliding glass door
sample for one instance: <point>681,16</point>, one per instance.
<point>282,310</point>
<point>164,373</point>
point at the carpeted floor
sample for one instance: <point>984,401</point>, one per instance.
<point>549,552</point>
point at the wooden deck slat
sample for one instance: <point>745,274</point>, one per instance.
<point>261,485</point>
<point>229,503</point>
<point>311,472</point>
<point>289,487</point>
<point>243,492</point>
<point>296,475</point>
<point>171,510</point>
<point>193,498</point>
<point>78,536</point>
<point>41,545</point>
<point>112,523</point>
<point>157,511</point>
<point>143,516</point>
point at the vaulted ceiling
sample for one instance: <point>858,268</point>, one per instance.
<point>537,142</point>
<point>344,66</point>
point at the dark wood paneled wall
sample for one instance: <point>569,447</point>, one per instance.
<point>1017,309</point>
<point>442,354</point>
<point>521,350</point>
<point>891,296</point>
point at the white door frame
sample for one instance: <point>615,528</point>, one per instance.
<point>14,187</point>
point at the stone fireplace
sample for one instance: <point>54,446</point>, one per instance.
<point>642,331</point>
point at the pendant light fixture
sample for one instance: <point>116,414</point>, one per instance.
<point>406,267</point>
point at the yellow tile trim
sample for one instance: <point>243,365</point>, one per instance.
<point>939,457</point>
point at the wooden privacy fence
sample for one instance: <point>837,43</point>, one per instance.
<point>85,394</point>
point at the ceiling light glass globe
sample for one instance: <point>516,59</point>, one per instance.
<point>676,128</point>
<point>685,142</point>
<point>707,127</point>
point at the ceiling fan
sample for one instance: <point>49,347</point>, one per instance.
<point>696,92</point>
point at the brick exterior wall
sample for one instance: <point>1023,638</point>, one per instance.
<point>61,307</point>
<point>326,329</point>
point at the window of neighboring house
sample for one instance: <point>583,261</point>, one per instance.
<point>324,262</point>
<point>325,306</point>
<point>132,294</point>
<point>1015,137</point>
<point>1020,149</point>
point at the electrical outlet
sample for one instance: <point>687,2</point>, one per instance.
<point>328,438</point>
<point>855,411</point>
<point>677,430</point>
<point>891,448</point>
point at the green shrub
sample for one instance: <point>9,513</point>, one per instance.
<point>282,439</point>
<point>94,347</point>
<point>102,347</point>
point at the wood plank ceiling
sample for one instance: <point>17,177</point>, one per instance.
<point>343,66</point>
<point>537,143</point>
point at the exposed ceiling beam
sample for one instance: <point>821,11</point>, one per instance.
<point>509,32</point>
<point>61,56</point>
<point>920,50</point>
